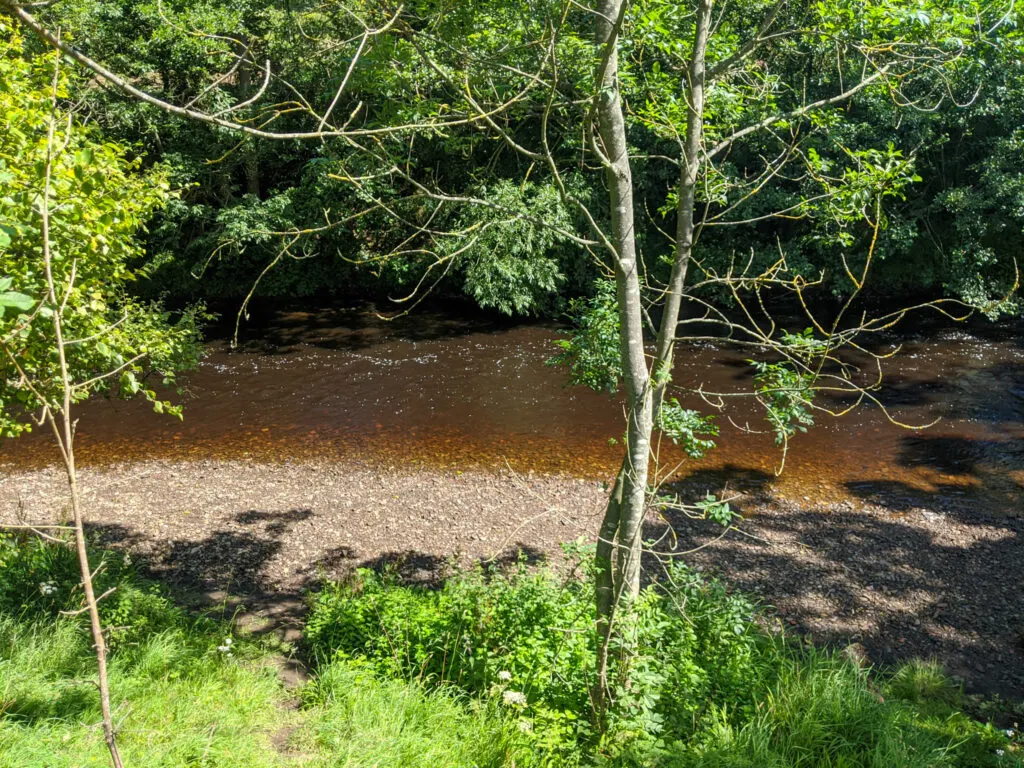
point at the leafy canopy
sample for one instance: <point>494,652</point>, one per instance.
<point>99,203</point>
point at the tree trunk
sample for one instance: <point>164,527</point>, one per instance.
<point>95,624</point>
<point>625,512</point>
<point>689,168</point>
<point>612,130</point>
<point>65,436</point>
<point>250,158</point>
<point>619,546</point>
<point>251,167</point>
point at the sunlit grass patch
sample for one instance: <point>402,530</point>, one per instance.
<point>355,719</point>
<point>176,703</point>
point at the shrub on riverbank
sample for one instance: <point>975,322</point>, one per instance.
<point>487,671</point>
<point>704,684</point>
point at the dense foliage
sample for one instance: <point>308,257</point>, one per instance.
<point>956,232</point>
<point>491,669</point>
<point>199,691</point>
<point>203,692</point>
<point>706,685</point>
<point>99,202</point>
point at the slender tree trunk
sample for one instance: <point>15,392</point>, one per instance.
<point>625,512</point>
<point>251,167</point>
<point>95,625</point>
<point>619,546</point>
<point>64,432</point>
<point>688,173</point>
<point>250,158</point>
<point>605,590</point>
<point>612,130</point>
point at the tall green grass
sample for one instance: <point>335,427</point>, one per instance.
<point>356,718</point>
<point>489,672</point>
<point>176,703</point>
<point>699,686</point>
<point>185,696</point>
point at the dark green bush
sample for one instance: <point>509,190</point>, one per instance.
<point>532,627</point>
<point>527,637</point>
<point>491,669</point>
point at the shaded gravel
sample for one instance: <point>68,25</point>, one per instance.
<point>903,581</point>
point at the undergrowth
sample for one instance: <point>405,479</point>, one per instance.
<point>489,671</point>
<point>699,684</point>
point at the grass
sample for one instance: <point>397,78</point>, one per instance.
<point>180,702</point>
<point>176,702</point>
<point>823,711</point>
<point>184,696</point>
<point>354,718</point>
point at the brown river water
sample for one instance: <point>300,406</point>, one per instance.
<point>440,391</point>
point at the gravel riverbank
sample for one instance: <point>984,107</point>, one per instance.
<point>903,580</point>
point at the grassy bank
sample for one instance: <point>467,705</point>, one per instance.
<point>487,671</point>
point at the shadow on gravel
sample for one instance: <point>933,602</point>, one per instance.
<point>917,577</point>
<point>749,486</point>
<point>227,570</point>
<point>906,574</point>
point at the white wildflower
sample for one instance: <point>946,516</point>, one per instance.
<point>525,725</point>
<point>1000,753</point>
<point>1010,733</point>
<point>515,698</point>
<point>127,559</point>
<point>504,676</point>
<point>48,587</point>
<point>226,648</point>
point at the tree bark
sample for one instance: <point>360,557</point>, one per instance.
<point>688,174</point>
<point>614,147</point>
<point>95,624</point>
<point>65,436</point>
<point>250,158</point>
<point>605,591</point>
<point>619,548</point>
<point>625,511</point>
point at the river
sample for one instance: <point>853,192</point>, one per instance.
<point>445,391</point>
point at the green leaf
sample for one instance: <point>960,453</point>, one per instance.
<point>16,300</point>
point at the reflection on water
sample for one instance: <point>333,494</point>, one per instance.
<point>440,391</point>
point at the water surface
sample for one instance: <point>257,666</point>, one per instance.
<point>442,391</point>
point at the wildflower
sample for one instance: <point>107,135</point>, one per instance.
<point>127,559</point>
<point>226,648</point>
<point>47,587</point>
<point>1010,733</point>
<point>1000,753</point>
<point>504,676</point>
<point>525,725</point>
<point>515,698</point>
